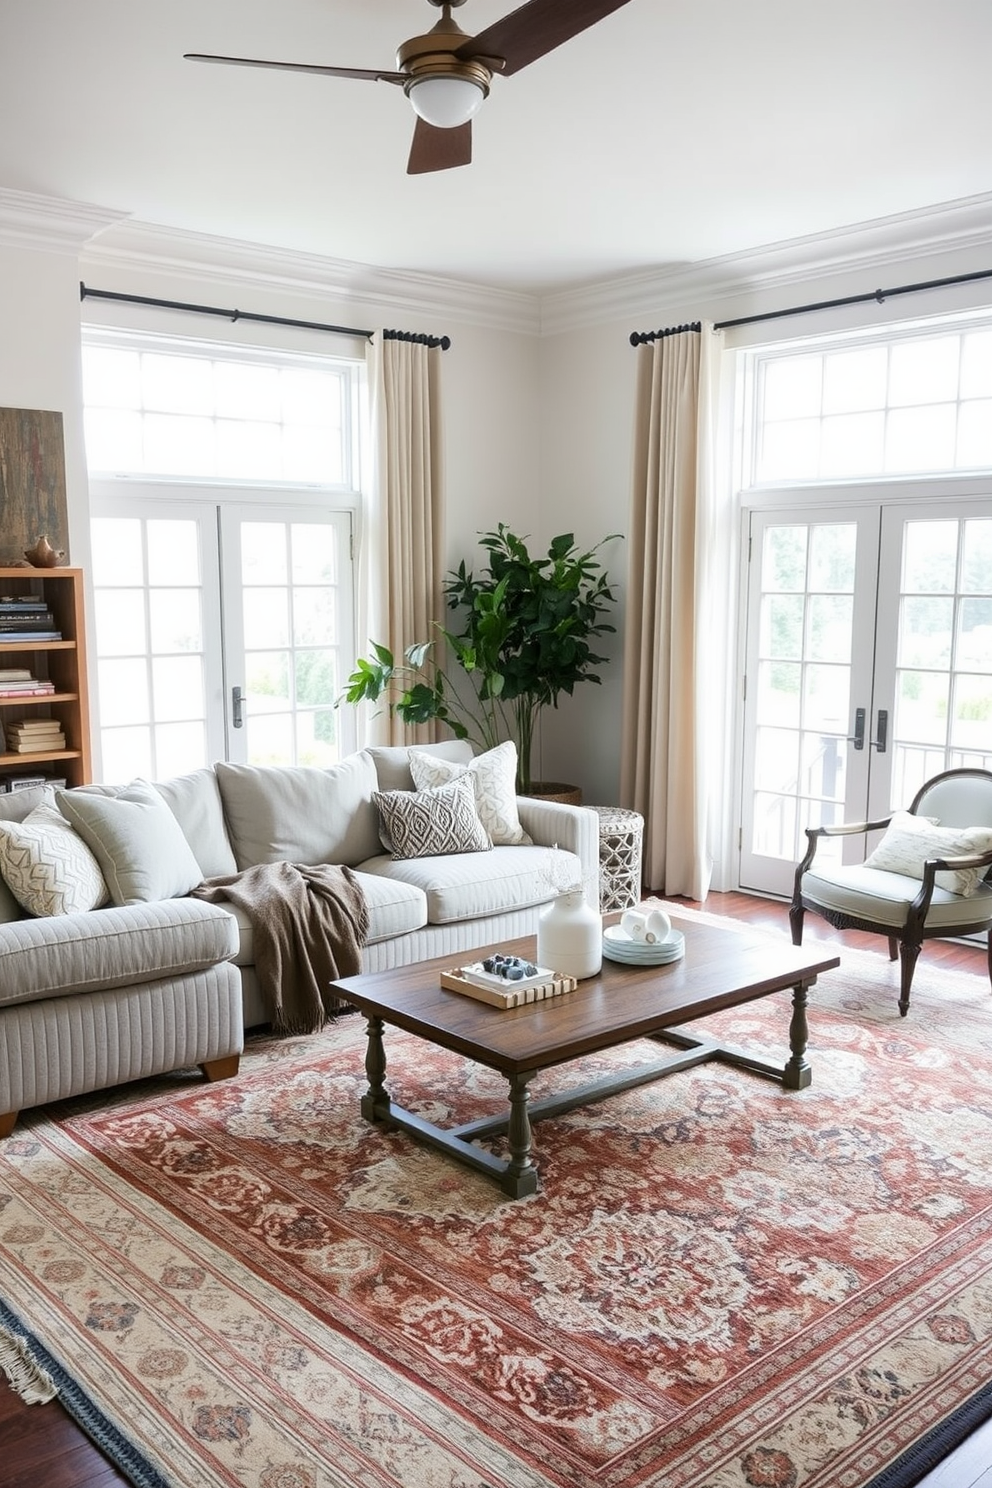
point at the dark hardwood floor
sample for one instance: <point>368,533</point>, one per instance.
<point>41,1446</point>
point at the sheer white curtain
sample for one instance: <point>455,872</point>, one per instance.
<point>402,538</point>
<point>676,662</point>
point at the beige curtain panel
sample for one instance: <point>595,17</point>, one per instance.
<point>664,748</point>
<point>403,537</point>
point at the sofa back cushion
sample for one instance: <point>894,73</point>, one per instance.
<point>194,801</point>
<point>136,840</point>
<point>392,761</point>
<point>299,813</point>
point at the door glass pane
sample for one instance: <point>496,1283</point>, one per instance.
<point>805,644</point>
<point>292,639</point>
<point>150,645</point>
<point>943,694</point>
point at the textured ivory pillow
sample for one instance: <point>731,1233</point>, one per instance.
<point>431,823</point>
<point>909,840</point>
<point>136,840</point>
<point>494,780</point>
<point>47,867</point>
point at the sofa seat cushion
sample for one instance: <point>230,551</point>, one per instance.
<point>892,894</point>
<point>466,886</point>
<point>114,947</point>
<point>394,909</point>
<point>299,813</point>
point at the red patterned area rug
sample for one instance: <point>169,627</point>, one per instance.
<point>719,1283</point>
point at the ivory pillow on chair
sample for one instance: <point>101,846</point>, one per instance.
<point>909,840</point>
<point>431,823</point>
<point>494,780</point>
<point>48,869</point>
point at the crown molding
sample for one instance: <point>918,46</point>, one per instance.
<point>203,258</point>
<point>50,224</point>
<point>676,293</point>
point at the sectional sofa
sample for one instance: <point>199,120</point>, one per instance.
<point>156,980</point>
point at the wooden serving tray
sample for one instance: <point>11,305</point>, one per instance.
<point>509,996</point>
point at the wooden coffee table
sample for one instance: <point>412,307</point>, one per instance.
<point>722,968</point>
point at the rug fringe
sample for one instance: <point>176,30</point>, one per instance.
<point>27,1379</point>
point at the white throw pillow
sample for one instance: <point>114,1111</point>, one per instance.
<point>431,823</point>
<point>47,867</point>
<point>137,842</point>
<point>494,780</point>
<point>909,840</point>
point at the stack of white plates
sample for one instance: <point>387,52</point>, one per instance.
<point>618,946</point>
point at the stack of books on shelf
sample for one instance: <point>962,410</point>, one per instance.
<point>18,682</point>
<point>26,617</point>
<point>33,735</point>
<point>10,783</point>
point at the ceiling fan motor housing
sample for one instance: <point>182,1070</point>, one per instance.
<point>434,55</point>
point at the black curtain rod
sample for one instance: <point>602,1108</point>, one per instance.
<point>85,293</point>
<point>423,340</point>
<point>859,299</point>
<point>641,338</point>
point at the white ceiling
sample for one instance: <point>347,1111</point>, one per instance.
<point>673,131</point>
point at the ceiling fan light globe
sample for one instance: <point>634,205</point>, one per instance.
<point>446,102</point>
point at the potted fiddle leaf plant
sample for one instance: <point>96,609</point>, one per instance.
<point>523,633</point>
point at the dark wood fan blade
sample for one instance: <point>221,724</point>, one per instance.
<point>536,29</point>
<point>439,149</point>
<point>350,72</point>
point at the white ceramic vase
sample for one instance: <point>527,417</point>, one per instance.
<point>570,936</point>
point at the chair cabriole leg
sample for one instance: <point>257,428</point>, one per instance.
<point>797,914</point>
<point>908,955</point>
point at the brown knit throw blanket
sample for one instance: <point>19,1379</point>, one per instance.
<point>309,926</point>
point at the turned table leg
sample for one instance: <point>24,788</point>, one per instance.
<point>521,1175</point>
<point>798,1072</point>
<point>375,1101</point>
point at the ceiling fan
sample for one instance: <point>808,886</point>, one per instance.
<point>446,73</point>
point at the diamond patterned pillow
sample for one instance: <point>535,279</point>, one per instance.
<point>48,869</point>
<point>431,823</point>
<point>494,779</point>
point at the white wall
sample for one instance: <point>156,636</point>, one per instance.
<point>40,360</point>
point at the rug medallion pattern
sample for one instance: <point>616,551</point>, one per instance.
<point>719,1283</point>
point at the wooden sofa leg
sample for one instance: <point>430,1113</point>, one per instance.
<point>7,1122</point>
<point>221,1069</point>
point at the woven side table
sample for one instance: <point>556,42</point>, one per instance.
<point>620,833</point>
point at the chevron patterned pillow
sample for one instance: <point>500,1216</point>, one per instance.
<point>494,778</point>
<point>48,869</point>
<point>431,823</point>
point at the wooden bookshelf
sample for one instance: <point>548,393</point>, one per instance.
<point>63,663</point>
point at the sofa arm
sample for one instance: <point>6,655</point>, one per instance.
<point>114,947</point>
<point>572,828</point>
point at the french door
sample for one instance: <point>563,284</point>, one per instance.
<point>868,668</point>
<point>223,631</point>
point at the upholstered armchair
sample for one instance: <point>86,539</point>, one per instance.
<point>927,877</point>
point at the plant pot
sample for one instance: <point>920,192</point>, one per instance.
<point>555,790</point>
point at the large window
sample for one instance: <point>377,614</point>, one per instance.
<point>223,489</point>
<point>866,467</point>
<point>189,411</point>
<point>912,405</point>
